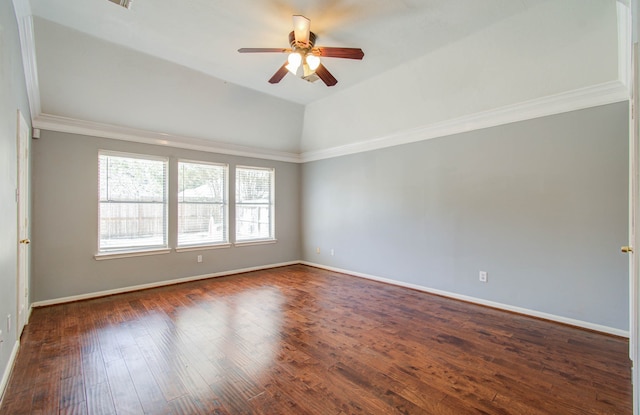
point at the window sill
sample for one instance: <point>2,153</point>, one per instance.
<point>256,242</point>
<point>202,247</point>
<point>129,254</point>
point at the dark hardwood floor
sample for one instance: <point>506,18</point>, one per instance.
<point>299,340</point>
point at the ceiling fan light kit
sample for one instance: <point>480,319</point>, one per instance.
<point>303,54</point>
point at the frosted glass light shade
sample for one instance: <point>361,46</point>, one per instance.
<point>294,60</point>
<point>313,61</point>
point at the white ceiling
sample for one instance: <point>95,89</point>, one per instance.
<point>204,35</point>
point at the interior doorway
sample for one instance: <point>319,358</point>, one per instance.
<point>22,196</point>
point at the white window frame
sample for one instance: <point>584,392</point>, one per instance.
<point>207,245</point>
<point>127,251</point>
<point>272,208</point>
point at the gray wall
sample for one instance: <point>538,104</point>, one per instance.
<point>541,205</point>
<point>65,229</point>
<point>13,96</point>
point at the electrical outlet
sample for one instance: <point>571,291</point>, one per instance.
<point>332,252</point>
<point>199,258</point>
<point>483,276</point>
<point>317,250</point>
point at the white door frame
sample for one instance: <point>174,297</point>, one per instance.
<point>634,206</point>
<point>634,231</point>
<point>22,196</point>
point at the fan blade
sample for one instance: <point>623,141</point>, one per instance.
<point>325,75</point>
<point>261,50</point>
<point>301,27</point>
<point>277,77</point>
<point>347,53</point>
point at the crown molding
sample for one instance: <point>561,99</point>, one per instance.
<point>22,8</point>
<point>592,96</point>
<point>28,50</point>
<point>625,42</point>
<point>75,126</point>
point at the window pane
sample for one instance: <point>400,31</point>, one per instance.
<point>254,203</point>
<point>133,203</point>
<point>202,204</point>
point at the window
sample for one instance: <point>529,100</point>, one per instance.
<point>202,204</point>
<point>254,203</point>
<point>133,203</point>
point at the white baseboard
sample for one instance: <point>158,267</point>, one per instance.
<point>8,370</point>
<point>155,284</point>
<point>480,301</point>
<point>475,300</point>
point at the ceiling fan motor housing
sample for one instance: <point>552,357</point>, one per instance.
<point>306,47</point>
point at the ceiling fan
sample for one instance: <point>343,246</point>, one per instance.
<point>304,56</point>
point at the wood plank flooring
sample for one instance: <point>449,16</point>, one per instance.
<point>299,340</point>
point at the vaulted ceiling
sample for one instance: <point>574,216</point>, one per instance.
<point>204,35</point>
<point>171,68</point>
